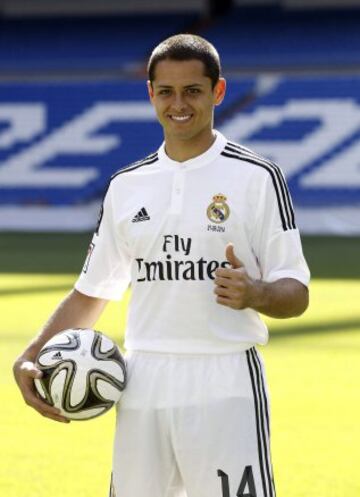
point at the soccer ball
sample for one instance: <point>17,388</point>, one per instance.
<point>84,373</point>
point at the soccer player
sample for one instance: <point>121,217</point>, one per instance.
<point>204,231</point>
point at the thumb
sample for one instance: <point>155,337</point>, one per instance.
<point>231,257</point>
<point>30,369</point>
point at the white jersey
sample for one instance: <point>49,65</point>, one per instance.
<point>163,228</point>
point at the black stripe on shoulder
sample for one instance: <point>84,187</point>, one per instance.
<point>281,179</point>
<point>282,194</point>
<point>150,159</point>
<point>235,155</point>
<point>280,176</point>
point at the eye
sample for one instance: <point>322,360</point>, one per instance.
<point>164,92</point>
<point>193,91</point>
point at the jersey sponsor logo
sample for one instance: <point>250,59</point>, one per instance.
<point>218,211</point>
<point>170,269</point>
<point>142,215</point>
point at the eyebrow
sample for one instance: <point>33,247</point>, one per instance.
<point>186,86</point>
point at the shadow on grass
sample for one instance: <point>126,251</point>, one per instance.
<point>276,334</point>
<point>58,253</point>
<point>43,253</point>
<point>35,289</point>
<point>314,329</point>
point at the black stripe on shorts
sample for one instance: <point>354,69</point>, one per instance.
<point>262,422</point>
<point>112,489</point>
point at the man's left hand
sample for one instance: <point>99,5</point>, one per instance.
<point>233,286</point>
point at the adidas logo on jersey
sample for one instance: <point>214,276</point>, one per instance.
<point>142,215</point>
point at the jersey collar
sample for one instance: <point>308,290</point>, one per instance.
<point>201,160</point>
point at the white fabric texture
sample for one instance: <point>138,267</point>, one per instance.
<point>159,232</point>
<point>197,416</point>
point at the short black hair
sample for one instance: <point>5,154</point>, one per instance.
<point>187,47</point>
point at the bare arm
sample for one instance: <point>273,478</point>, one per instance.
<point>75,311</point>
<point>284,298</point>
<point>234,288</point>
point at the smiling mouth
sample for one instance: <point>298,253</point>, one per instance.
<point>180,119</point>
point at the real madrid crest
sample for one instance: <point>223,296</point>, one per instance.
<point>218,211</point>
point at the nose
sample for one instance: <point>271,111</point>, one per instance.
<point>178,103</point>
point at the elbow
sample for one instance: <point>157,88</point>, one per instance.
<point>285,299</point>
<point>302,302</point>
<point>297,303</point>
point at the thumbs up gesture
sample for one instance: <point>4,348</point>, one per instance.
<point>231,257</point>
<point>233,286</point>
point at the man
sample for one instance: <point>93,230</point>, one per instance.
<point>205,232</point>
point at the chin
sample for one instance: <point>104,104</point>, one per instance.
<point>186,135</point>
<point>180,133</point>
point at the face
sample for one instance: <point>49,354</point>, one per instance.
<point>184,99</point>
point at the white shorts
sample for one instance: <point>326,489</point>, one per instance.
<point>193,426</point>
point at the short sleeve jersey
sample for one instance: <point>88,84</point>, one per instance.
<point>163,229</point>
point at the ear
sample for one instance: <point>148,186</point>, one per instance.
<point>219,91</point>
<point>150,90</point>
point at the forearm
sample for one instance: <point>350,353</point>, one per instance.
<point>75,311</point>
<point>284,298</point>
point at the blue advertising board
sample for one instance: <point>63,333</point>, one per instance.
<point>60,142</point>
<point>311,128</point>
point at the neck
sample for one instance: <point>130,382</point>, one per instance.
<point>181,150</point>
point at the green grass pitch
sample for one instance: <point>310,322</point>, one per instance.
<point>313,366</point>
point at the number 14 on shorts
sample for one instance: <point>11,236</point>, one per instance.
<point>246,484</point>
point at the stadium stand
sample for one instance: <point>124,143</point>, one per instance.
<point>83,44</point>
<point>248,39</point>
<point>71,107</point>
<point>74,107</point>
<point>272,38</point>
